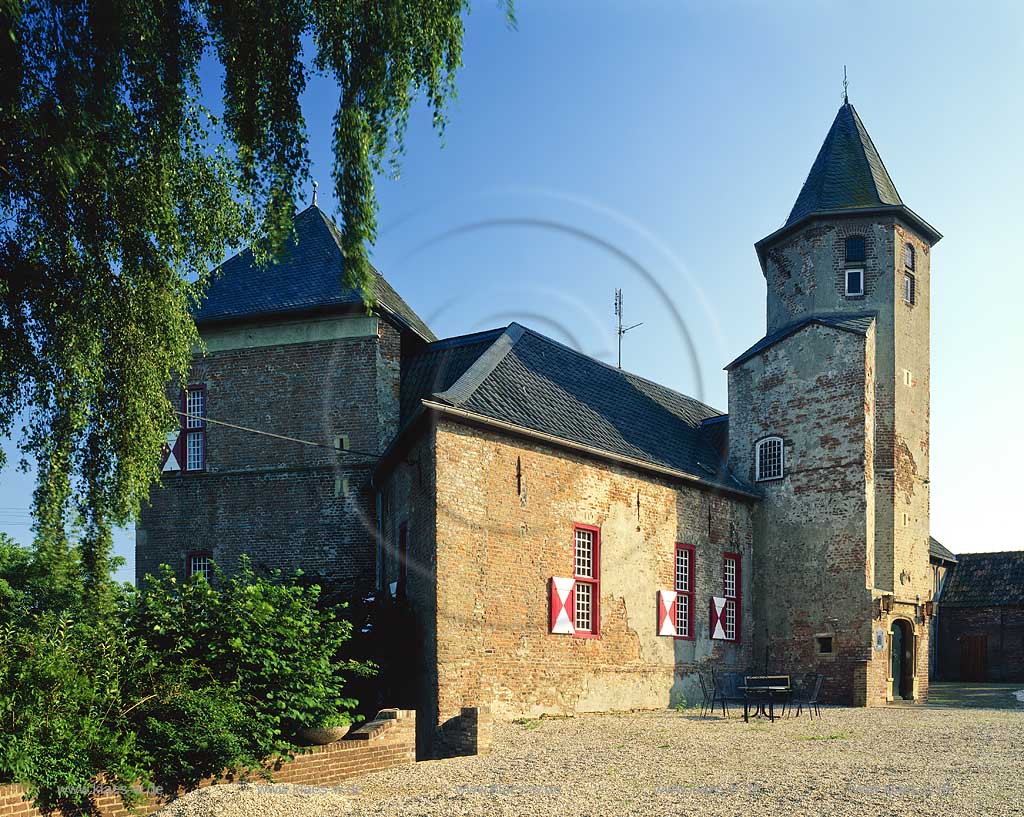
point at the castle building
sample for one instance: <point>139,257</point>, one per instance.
<point>568,536</point>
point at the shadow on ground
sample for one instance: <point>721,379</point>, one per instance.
<point>976,696</point>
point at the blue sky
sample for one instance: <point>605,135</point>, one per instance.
<point>648,145</point>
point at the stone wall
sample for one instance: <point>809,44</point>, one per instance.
<point>812,561</point>
<point>504,526</point>
<point>384,743</point>
<point>284,504</point>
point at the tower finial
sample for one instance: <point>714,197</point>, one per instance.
<point>846,96</point>
<point>315,186</point>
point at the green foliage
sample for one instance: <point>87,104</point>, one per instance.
<point>178,682</point>
<point>267,639</point>
<point>118,190</point>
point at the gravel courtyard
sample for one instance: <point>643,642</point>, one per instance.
<point>901,761</point>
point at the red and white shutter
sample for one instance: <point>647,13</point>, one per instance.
<point>667,612</point>
<point>562,614</point>
<point>718,617</point>
<point>172,452</point>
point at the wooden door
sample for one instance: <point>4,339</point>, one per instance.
<point>973,655</point>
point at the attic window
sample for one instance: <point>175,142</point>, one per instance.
<point>856,252</point>
<point>824,644</point>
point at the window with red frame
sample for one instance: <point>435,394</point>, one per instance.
<point>685,587</point>
<point>731,588</point>
<point>587,573</point>
<point>193,427</point>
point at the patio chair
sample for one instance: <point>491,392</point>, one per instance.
<point>727,689</point>
<point>807,695</point>
<point>708,691</point>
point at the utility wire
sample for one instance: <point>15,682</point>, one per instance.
<point>277,436</point>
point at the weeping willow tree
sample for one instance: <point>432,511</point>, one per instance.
<point>119,189</point>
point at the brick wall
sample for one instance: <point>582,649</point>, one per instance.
<point>384,743</point>
<point>503,521</point>
<point>284,504</point>
<point>1003,628</point>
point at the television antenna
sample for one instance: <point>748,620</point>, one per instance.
<point>621,330</point>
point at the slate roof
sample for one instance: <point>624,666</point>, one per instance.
<point>519,377</point>
<point>986,580</point>
<point>306,277</point>
<point>937,550</point>
<point>847,173</point>
<point>857,324</point>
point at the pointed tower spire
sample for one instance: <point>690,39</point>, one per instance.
<point>848,172</point>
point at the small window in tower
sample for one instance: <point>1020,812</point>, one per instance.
<point>824,644</point>
<point>854,282</point>
<point>908,377</point>
<point>769,458</point>
<point>909,287</point>
<point>908,256</point>
<point>855,250</point>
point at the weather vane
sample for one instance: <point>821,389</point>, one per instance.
<point>846,96</point>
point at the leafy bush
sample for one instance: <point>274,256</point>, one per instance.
<point>179,682</point>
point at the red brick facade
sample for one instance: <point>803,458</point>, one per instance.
<point>285,504</point>
<point>492,518</point>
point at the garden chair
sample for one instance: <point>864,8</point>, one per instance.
<point>807,695</point>
<point>708,691</point>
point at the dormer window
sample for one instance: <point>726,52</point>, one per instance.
<point>854,282</point>
<point>856,252</point>
<point>769,458</point>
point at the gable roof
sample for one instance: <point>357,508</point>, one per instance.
<point>305,277</point>
<point>858,324</point>
<point>519,379</point>
<point>847,173</point>
<point>937,550</point>
<point>986,580</point>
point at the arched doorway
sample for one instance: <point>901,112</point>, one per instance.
<point>902,658</point>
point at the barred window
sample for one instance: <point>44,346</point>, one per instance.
<point>201,564</point>
<point>909,287</point>
<point>685,587</point>
<point>586,571</point>
<point>856,251</point>
<point>769,459</point>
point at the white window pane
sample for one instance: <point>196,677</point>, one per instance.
<point>682,571</point>
<point>196,451</point>
<point>585,553</point>
<point>730,619</point>
<point>730,578</point>
<point>584,618</point>
<point>683,616</point>
<point>195,408</point>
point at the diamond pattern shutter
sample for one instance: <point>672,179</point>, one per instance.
<point>667,612</point>
<point>172,452</point>
<point>718,617</point>
<point>562,614</point>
